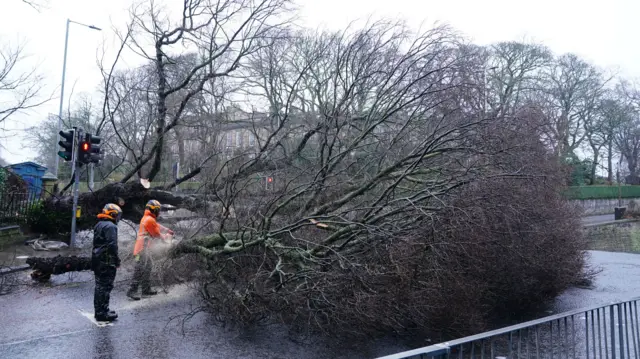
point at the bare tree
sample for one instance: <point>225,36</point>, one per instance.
<point>20,90</point>
<point>570,92</point>
<point>513,74</point>
<point>627,136</point>
<point>223,32</point>
<point>601,129</point>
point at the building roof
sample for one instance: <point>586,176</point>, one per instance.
<point>28,163</point>
<point>49,176</point>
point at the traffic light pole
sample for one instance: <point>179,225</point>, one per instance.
<point>79,134</point>
<point>91,165</point>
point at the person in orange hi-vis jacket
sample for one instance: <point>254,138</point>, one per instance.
<point>148,231</point>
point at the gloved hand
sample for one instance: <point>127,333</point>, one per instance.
<point>137,258</point>
<point>170,232</point>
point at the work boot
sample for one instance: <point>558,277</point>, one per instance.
<point>133,294</point>
<point>111,312</point>
<point>149,292</point>
<point>108,317</point>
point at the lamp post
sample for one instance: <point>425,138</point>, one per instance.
<point>64,70</point>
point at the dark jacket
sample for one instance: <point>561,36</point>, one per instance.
<point>105,244</point>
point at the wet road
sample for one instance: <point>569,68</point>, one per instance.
<point>617,281</point>
<point>55,321</point>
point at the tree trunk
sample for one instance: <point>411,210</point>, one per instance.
<point>43,268</point>
<point>594,166</point>
<point>181,150</point>
<point>610,163</point>
<point>131,196</point>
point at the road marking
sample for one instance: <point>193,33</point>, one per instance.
<point>93,320</point>
<point>45,337</point>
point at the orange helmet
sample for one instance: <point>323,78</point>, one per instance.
<point>111,211</point>
<point>153,206</point>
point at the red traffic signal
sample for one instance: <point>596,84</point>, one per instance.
<point>85,146</point>
<point>269,179</point>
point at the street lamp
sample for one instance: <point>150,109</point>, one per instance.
<point>64,70</point>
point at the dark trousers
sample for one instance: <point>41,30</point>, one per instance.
<point>105,275</point>
<point>142,273</point>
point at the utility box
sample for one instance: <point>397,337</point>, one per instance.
<point>32,174</point>
<point>49,181</point>
<point>619,213</point>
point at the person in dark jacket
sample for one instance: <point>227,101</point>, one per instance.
<point>105,260</point>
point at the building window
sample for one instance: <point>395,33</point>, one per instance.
<point>239,138</point>
<point>229,139</point>
<point>252,140</point>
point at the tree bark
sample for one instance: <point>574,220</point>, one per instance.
<point>593,169</point>
<point>610,163</point>
<point>43,268</point>
<point>131,196</point>
<point>181,149</point>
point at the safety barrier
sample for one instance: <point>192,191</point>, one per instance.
<point>609,331</point>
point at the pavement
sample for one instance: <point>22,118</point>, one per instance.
<point>599,219</point>
<point>604,219</point>
<point>56,321</point>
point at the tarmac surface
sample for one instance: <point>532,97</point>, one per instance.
<point>55,320</point>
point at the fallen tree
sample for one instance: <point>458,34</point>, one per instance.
<point>399,206</point>
<point>44,268</point>
<point>384,157</point>
<point>55,214</point>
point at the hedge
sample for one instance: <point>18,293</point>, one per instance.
<point>603,192</point>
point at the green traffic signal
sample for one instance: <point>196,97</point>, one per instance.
<point>64,155</point>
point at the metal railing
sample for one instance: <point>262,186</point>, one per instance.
<point>15,205</point>
<point>608,331</point>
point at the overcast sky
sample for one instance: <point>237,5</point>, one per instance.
<point>604,33</point>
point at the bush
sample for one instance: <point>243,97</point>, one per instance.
<point>54,224</point>
<point>602,192</point>
<point>40,220</point>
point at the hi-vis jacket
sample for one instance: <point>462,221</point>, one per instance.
<point>149,229</point>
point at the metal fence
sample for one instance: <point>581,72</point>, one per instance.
<point>609,331</point>
<point>15,205</point>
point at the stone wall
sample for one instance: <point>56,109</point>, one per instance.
<point>594,207</point>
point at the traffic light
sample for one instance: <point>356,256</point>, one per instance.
<point>268,183</point>
<point>89,150</point>
<point>84,151</point>
<point>67,144</point>
<point>95,150</point>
